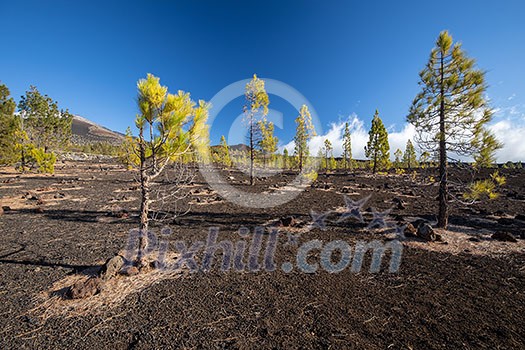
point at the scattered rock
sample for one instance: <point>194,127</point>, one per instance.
<point>474,239</point>
<point>346,189</point>
<point>112,267</point>
<point>287,221</point>
<point>419,222</point>
<point>409,193</point>
<point>85,288</point>
<point>504,237</point>
<point>129,271</point>
<point>59,195</point>
<point>410,230</point>
<point>39,210</point>
<point>426,232</point>
<point>40,201</point>
<point>6,208</point>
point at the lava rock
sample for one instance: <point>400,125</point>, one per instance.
<point>504,236</point>
<point>6,208</point>
<point>287,221</point>
<point>129,271</point>
<point>112,267</point>
<point>426,232</point>
<point>474,239</point>
<point>410,230</point>
<point>85,288</point>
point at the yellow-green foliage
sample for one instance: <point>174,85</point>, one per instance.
<point>45,161</point>
<point>500,180</point>
<point>485,189</point>
<point>311,175</point>
<point>400,171</point>
<point>481,189</point>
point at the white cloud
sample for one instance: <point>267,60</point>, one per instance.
<point>359,135</point>
<point>511,97</point>
<point>510,131</point>
<point>512,136</point>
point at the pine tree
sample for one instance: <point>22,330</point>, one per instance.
<point>398,154</point>
<point>128,150</point>
<point>9,127</point>
<point>169,126</point>
<point>268,142</point>
<point>285,159</point>
<point>46,126</point>
<point>377,148</point>
<point>224,152</point>
<point>347,147</point>
<point>450,112</point>
<point>304,132</point>
<point>256,106</point>
<point>327,153</point>
<point>409,157</point>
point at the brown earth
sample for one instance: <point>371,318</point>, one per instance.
<point>466,292</point>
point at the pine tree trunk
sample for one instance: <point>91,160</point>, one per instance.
<point>251,153</point>
<point>144,203</point>
<point>443,191</point>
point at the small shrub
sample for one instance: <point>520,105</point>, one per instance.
<point>400,171</point>
<point>44,161</point>
<point>485,189</point>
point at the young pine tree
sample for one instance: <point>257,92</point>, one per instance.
<point>378,148</point>
<point>409,157</point>
<point>285,159</point>
<point>169,126</point>
<point>304,132</point>
<point>327,153</point>
<point>267,142</point>
<point>398,154</point>
<point>451,111</point>
<point>224,153</point>
<point>347,147</point>
<point>256,106</point>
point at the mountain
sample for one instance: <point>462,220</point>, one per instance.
<point>235,148</point>
<point>85,131</point>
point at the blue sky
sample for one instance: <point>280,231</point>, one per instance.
<point>347,58</point>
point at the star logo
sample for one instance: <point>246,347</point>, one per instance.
<point>319,219</point>
<point>353,209</point>
<point>379,219</point>
<point>400,232</point>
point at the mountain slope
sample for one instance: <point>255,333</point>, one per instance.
<point>85,131</point>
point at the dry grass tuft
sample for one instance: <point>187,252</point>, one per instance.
<point>53,303</point>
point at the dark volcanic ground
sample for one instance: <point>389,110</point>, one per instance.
<point>437,300</point>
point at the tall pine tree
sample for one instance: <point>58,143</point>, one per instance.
<point>451,111</point>
<point>378,149</point>
<point>255,107</point>
<point>304,132</point>
<point>409,157</point>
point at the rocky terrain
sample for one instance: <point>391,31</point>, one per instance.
<point>463,289</point>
